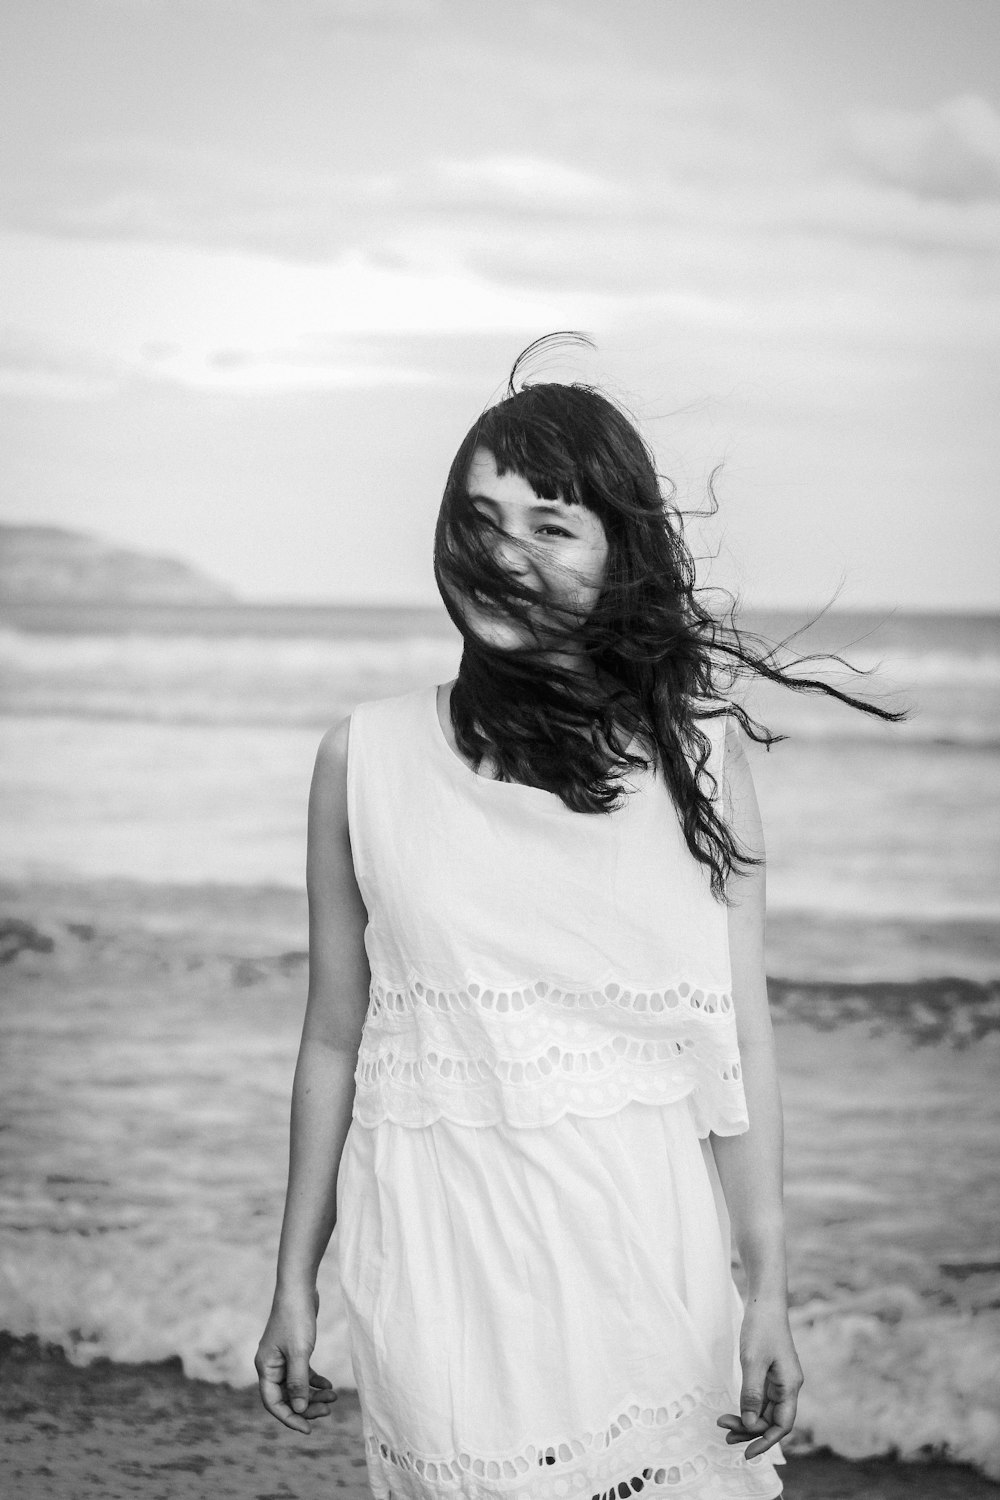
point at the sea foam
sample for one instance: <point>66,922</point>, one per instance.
<point>885,1373</point>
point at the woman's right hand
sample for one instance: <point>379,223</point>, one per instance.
<point>289,1388</point>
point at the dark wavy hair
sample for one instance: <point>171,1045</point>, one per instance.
<point>662,660</point>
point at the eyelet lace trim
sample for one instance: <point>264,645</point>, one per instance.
<point>673,1450</point>
<point>475,997</point>
<point>482,1055</point>
<point>550,1064</point>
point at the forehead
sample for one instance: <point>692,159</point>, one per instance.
<point>483,482</point>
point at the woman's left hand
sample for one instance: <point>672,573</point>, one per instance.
<point>772,1378</point>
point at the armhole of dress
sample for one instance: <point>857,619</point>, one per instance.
<point>717,730</point>
<point>723,763</point>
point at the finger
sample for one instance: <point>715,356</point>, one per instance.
<point>271,1365</point>
<point>320,1403</point>
<point>764,1441</point>
<point>297,1382</point>
<point>272,1395</point>
<point>752,1398</point>
<point>735,1430</point>
<point>737,1433</point>
<point>752,1420</point>
<point>781,1426</point>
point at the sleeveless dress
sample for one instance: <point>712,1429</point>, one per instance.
<point>533,1245</point>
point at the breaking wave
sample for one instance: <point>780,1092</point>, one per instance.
<point>886,1373</point>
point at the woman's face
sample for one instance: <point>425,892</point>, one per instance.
<point>558,549</point>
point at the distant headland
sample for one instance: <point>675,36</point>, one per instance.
<point>56,565</point>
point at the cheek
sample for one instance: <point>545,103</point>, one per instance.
<point>597,569</point>
<point>586,575</point>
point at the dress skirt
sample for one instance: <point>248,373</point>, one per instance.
<point>543,1312</point>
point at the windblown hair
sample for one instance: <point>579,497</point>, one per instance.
<point>663,660</point>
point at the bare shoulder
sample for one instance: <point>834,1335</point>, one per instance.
<point>332,753</point>
<point>338,972</point>
<point>328,795</point>
<point>331,756</point>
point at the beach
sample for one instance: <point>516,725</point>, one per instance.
<point>153,969</point>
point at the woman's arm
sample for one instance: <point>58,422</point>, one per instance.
<point>750,1165</point>
<point>322,1094</point>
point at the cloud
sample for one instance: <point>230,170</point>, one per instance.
<point>33,366</point>
<point>949,152</point>
<point>147,190</point>
<point>842,208</point>
<point>515,239</point>
<point>725,188</point>
<point>178,315</point>
<point>538,154</point>
<point>30,365</point>
<point>151,190</point>
<point>335,364</point>
<point>517,182</point>
<point>474,361</point>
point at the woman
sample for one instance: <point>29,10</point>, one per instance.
<point>537,1079</point>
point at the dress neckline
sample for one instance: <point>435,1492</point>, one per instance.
<point>464,771</point>
<point>461,769</point>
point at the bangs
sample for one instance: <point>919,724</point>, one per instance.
<point>540,437</point>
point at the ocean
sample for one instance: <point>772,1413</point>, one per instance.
<point>178,744</point>
<point>154,768</point>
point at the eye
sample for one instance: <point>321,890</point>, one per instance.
<point>554,531</point>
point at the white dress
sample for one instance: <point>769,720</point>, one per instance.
<point>533,1247</point>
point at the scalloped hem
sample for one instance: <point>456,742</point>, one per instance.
<point>529,1057</point>
<point>370,1113</point>
<point>666,1452</point>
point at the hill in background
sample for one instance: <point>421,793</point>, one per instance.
<point>54,565</point>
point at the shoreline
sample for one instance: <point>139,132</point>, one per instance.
<point>111,1430</point>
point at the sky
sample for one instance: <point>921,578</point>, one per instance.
<point>262,262</point>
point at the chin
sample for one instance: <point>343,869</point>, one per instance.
<point>500,636</point>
